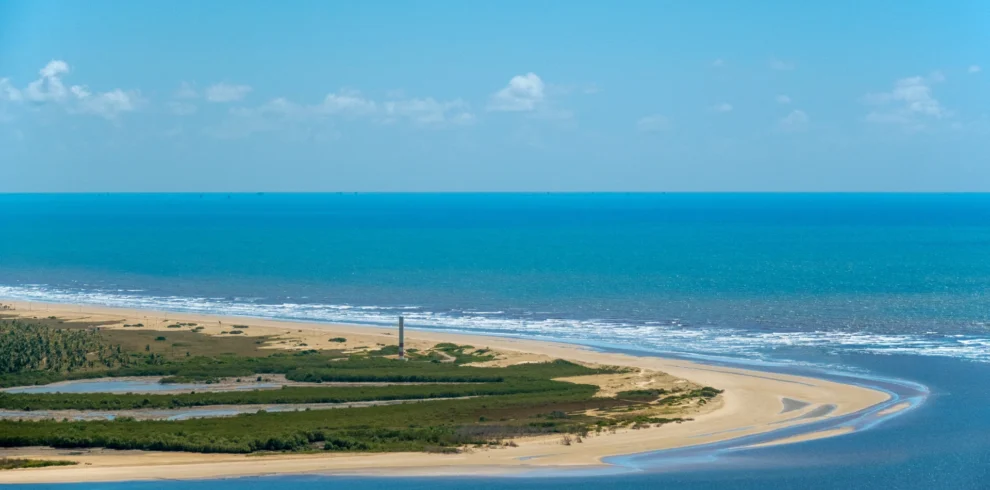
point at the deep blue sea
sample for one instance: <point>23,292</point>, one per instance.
<point>889,287</point>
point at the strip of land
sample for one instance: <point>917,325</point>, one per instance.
<point>751,402</point>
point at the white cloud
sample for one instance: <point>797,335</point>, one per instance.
<point>974,68</point>
<point>54,68</point>
<point>348,102</point>
<point>797,120</point>
<point>653,123</point>
<point>106,104</point>
<point>77,99</point>
<point>909,103</point>
<point>781,65</point>
<point>275,115</point>
<point>80,91</point>
<point>723,107</point>
<point>224,92</point>
<point>783,99</point>
<point>49,87</point>
<point>719,63</point>
<point>8,91</point>
<point>281,114</point>
<point>523,93</point>
<point>182,108</point>
<point>281,107</point>
<point>428,111</point>
<point>463,119</point>
<point>186,91</point>
<point>344,103</point>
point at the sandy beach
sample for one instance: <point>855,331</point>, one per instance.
<point>753,402</point>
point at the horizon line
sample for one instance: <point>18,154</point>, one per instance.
<point>255,193</point>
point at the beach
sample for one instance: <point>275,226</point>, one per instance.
<point>753,402</point>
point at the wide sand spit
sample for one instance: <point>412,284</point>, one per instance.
<point>753,402</point>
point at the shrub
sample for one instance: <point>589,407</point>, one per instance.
<point>441,450</point>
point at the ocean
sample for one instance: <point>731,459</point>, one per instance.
<point>879,286</point>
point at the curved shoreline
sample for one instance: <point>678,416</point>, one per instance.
<point>753,407</point>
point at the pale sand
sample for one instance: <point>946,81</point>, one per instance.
<point>894,409</point>
<point>811,436</point>
<point>751,404</point>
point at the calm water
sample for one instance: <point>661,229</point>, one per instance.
<point>875,285</point>
<point>150,385</point>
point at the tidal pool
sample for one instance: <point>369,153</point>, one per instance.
<point>140,385</point>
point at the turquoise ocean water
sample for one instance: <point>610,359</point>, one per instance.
<point>885,286</point>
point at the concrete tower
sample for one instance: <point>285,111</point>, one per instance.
<point>402,339</point>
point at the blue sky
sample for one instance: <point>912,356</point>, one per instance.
<point>501,96</point>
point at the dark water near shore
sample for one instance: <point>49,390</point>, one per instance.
<point>891,286</point>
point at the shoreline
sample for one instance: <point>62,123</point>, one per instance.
<point>753,402</point>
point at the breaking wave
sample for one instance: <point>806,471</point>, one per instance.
<point>663,335</point>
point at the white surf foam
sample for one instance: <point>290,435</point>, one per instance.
<point>666,335</point>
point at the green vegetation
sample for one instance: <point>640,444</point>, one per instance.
<point>42,351</point>
<point>12,463</point>
<point>702,394</point>
<point>48,352</point>
<point>645,395</point>
<point>461,353</point>
<point>339,340</point>
<point>286,395</point>
<point>518,406</point>
<point>180,325</point>
<point>473,405</point>
<point>412,427</point>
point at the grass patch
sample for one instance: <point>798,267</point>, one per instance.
<point>15,463</point>
<point>641,395</point>
<point>701,394</point>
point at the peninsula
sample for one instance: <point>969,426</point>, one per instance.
<point>215,396</point>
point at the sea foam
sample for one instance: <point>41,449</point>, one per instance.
<point>661,335</point>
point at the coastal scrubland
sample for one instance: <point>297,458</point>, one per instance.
<point>462,404</point>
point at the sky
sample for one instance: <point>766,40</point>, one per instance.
<point>227,96</point>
